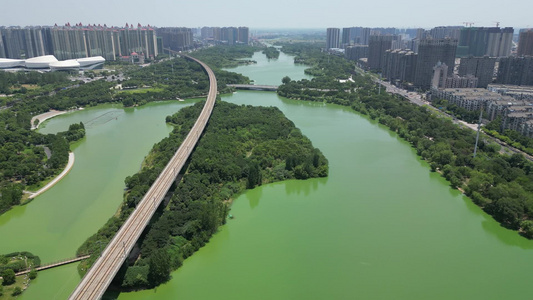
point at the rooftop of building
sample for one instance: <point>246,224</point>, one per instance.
<point>528,115</point>
<point>520,108</point>
<point>510,88</point>
<point>514,102</point>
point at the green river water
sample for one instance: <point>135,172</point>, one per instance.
<point>381,226</point>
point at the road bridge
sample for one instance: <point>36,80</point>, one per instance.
<point>100,275</point>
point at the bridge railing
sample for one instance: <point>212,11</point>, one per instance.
<point>54,264</point>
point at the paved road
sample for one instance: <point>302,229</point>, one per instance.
<point>98,278</point>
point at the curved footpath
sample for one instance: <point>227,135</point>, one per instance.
<point>43,117</point>
<point>67,169</point>
<point>48,115</point>
<point>100,275</point>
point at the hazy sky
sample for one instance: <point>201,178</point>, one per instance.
<point>269,13</point>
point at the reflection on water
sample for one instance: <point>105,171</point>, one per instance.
<point>254,196</point>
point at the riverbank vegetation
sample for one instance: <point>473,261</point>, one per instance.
<point>242,147</point>
<point>500,184</point>
<point>24,160</point>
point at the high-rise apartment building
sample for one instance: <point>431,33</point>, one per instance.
<point>230,35</point>
<point>391,70</point>
<point>515,70</point>
<point>430,52</point>
<point>69,42</point>
<point>412,45</point>
<point>176,38</point>
<point>399,65</point>
<point>206,33</point>
<point>356,52</point>
<point>480,67</point>
<point>377,46</point>
<point>333,38</point>
<point>127,40</point>
<point>2,48</point>
<point>442,32</point>
<point>347,38</point>
<point>14,42</point>
<point>490,41</point>
<point>33,42</point>
<point>363,37</point>
<point>244,34</point>
<point>525,43</point>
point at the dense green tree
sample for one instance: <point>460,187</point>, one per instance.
<point>8,277</point>
<point>159,268</point>
<point>254,176</point>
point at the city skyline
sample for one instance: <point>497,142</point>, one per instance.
<point>314,14</point>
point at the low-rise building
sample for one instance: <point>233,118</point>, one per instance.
<point>517,120</point>
<point>499,107</point>
<point>527,128</point>
<point>515,91</point>
<point>470,99</point>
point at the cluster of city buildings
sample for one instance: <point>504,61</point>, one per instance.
<point>128,43</point>
<point>226,35</point>
<point>77,41</point>
<point>472,67</point>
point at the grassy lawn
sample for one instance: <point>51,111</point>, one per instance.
<point>146,90</point>
<point>8,290</point>
<point>36,187</point>
<point>30,86</point>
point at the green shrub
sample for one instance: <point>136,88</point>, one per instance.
<point>33,274</point>
<point>17,291</point>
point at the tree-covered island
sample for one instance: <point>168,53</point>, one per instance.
<point>242,147</point>
<point>271,52</point>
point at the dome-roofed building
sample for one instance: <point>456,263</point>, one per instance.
<point>89,61</point>
<point>7,63</point>
<point>70,64</point>
<point>51,62</point>
<point>40,62</point>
